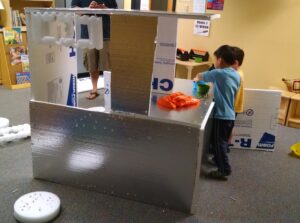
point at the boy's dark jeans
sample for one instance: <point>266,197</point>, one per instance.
<point>220,134</point>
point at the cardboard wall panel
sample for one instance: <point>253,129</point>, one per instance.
<point>132,55</point>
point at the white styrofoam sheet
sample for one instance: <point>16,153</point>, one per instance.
<point>256,127</point>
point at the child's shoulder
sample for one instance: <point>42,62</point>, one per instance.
<point>240,72</point>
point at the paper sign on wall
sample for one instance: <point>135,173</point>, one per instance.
<point>199,6</point>
<point>165,55</point>
<point>144,5</point>
<point>201,27</point>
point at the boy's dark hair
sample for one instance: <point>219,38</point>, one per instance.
<point>226,53</point>
<point>239,54</point>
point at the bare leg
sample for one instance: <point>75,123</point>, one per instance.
<point>94,77</point>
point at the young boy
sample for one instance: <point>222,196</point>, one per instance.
<point>239,98</point>
<point>226,82</point>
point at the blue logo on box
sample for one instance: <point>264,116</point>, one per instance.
<point>72,95</point>
<point>267,141</point>
<point>242,142</point>
<point>163,84</point>
<point>72,53</point>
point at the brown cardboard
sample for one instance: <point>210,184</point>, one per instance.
<point>132,55</point>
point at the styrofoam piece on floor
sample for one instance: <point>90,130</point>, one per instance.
<point>85,84</point>
<point>37,207</point>
<point>98,109</point>
<point>4,122</point>
<point>15,132</point>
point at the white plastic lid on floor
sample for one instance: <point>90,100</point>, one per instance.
<point>4,122</point>
<point>37,207</point>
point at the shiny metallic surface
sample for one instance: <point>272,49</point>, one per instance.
<point>132,156</point>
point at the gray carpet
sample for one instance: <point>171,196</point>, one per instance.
<point>264,186</point>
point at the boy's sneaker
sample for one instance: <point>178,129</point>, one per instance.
<point>211,160</point>
<point>215,174</point>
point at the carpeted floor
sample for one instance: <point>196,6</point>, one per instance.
<point>264,186</point>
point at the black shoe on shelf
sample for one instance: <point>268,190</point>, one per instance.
<point>217,175</point>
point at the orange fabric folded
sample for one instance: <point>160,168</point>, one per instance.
<point>177,100</point>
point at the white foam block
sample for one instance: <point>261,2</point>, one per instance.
<point>39,206</point>
<point>4,122</point>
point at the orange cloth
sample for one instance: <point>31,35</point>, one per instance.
<point>177,100</point>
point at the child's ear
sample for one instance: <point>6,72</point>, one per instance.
<point>220,62</point>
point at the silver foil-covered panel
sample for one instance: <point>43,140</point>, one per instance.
<point>135,157</point>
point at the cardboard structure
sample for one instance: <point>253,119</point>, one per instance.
<point>133,149</point>
<point>256,127</point>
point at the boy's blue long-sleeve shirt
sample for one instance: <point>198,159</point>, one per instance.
<point>226,82</point>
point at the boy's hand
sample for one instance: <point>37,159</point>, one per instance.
<point>197,78</point>
<point>102,6</point>
<point>93,5</point>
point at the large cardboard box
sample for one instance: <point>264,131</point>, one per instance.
<point>256,127</point>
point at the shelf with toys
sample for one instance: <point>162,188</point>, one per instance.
<point>14,64</point>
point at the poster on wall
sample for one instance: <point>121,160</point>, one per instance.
<point>215,4</point>
<point>201,27</point>
<point>199,6</point>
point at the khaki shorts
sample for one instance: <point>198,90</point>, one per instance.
<point>97,60</point>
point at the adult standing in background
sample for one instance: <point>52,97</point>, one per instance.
<point>96,61</point>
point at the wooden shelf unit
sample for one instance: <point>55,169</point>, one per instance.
<point>10,5</point>
<point>284,106</point>
<point>293,117</point>
<point>7,71</point>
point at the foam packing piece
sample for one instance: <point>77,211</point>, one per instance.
<point>84,43</point>
<point>37,207</point>
<point>48,16</point>
<point>49,40</point>
<point>83,19</point>
<point>4,122</point>
<point>66,18</point>
<point>67,42</point>
<point>14,133</point>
